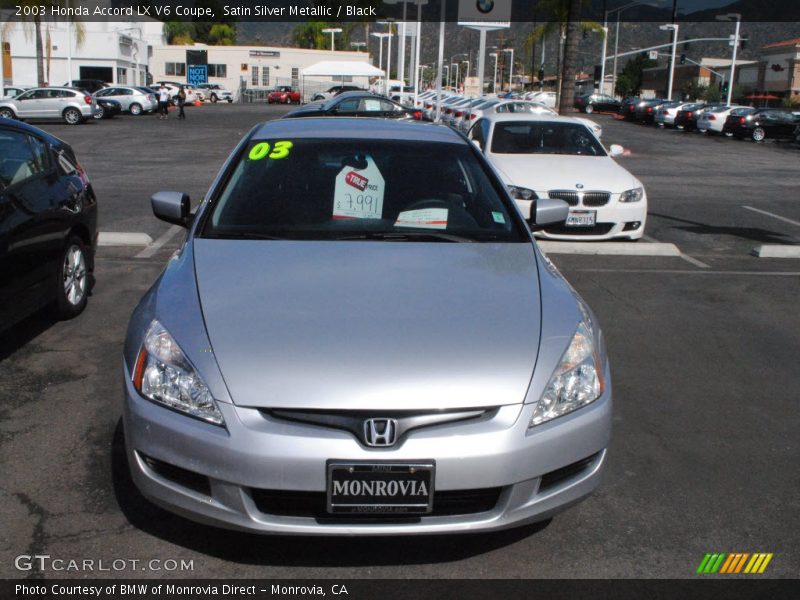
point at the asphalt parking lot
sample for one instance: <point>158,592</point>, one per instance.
<point>703,347</point>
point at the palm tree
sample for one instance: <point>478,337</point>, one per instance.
<point>33,24</point>
<point>565,98</point>
<point>560,12</point>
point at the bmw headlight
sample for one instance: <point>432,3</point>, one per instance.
<point>521,193</point>
<point>164,375</point>
<point>634,195</point>
<point>577,380</point>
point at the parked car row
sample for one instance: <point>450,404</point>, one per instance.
<point>757,124</point>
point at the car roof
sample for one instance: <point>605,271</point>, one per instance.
<point>356,128</point>
<point>500,117</point>
<point>25,128</point>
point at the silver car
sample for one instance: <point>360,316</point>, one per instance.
<point>132,99</point>
<point>72,105</point>
<point>359,336</point>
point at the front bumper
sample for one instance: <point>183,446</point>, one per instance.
<point>257,454</point>
<point>613,221</point>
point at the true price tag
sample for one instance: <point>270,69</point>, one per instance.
<point>359,193</point>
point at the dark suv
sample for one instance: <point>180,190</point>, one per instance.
<point>87,85</point>
<point>48,225</point>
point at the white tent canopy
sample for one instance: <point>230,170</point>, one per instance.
<point>336,68</point>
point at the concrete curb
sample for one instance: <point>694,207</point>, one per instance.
<point>609,248</point>
<point>776,251</point>
<point>122,238</point>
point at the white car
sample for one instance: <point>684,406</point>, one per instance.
<point>713,120</point>
<point>173,88</point>
<point>541,156</point>
<point>214,92</point>
<point>549,99</point>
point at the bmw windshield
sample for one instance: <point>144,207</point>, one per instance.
<point>544,137</point>
<point>324,189</point>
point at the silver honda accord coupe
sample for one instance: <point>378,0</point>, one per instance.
<point>359,336</point>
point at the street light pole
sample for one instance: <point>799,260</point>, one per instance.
<point>674,28</point>
<point>738,18</point>
<point>494,81</point>
<point>458,74</point>
<point>333,31</point>
<point>510,68</point>
<point>603,57</point>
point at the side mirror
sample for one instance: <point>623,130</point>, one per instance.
<point>549,211</point>
<point>172,207</point>
<point>616,150</point>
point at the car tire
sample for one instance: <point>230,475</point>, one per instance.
<point>72,116</point>
<point>759,135</point>
<point>6,113</point>
<point>136,109</point>
<point>99,113</point>
<point>214,98</point>
<point>230,100</point>
<point>727,134</point>
<point>589,109</point>
<point>72,280</point>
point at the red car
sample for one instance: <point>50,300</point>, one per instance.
<point>284,95</point>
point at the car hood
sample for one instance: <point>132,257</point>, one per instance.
<point>371,325</point>
<point>563,172</point>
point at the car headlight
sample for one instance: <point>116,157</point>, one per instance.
<point>521,193</point>
<point>577,380</point>
<point>634,195</point>
<point>164,375</point>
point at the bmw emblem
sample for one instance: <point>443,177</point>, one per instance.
<point>579,186</point>
<point>485,6</point>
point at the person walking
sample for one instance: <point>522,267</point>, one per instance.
<point>181,102</point>
<point>163,102</point>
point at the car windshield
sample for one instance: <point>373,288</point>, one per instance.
<point>544,137</point>
<point>322,189</point>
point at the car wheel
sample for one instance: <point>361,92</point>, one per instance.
<point>136,109</point>
<point>727,134</point>
<point>759,134</point>
<point>99,113</point>
<point>73,116</point>
<point>6,113</point>
<point>73,280</point>
<point>175,101</point>
<point>703,130</point>
<point>589,109</point>
<point>213,98</point>
<point>230,100</point>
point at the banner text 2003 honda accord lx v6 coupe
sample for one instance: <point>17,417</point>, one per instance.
<point>359,336</point>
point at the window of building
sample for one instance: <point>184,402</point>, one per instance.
<point>122,75</point>
<point>217,70</point>
<point>254,76</point>
<point>295,77</point>
<point>175,69</point>
<point>265,76</point>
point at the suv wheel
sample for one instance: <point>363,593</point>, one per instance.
<point>214,98</point>
<point>73,116</point>
<point>136,109</point>
<point>589,109</point>
<point>73,280</point>
<point>759,134</point>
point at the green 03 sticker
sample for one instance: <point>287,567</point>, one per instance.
<point>279,149</point>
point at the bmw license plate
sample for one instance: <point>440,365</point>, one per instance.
<point>581,218</point>
<point>380,488</point>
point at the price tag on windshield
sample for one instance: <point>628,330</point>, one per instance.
<point>359,192</point>
<point>424,218</point>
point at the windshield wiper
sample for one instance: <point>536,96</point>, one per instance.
<point>405,236</point>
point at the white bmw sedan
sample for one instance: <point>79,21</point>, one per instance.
<point>541,156</point>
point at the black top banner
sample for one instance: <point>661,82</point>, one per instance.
<point>360,11</point>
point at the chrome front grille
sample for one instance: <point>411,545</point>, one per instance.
<point>581,198</point>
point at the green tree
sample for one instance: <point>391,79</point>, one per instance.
<point>222,34</point>
<point>629,81</point>
<point>693,90</point>
<point>32,25</point>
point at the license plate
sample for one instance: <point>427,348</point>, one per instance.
<point>380,488</point>
<point>581,218</point>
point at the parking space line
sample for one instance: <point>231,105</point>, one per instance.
<point>609,248</point>
<point>777,251</point>
<point>159,243</point>
<point>690,259</point>
<point>123,238</point>
<point>687,272</point>
<point>773,215</point>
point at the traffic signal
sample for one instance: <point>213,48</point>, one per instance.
<point>683,59</point>
<point>743,42</point>
<point>541,74</point>
<point>585,34</point>
<point>725,87</point>
<point>598,71</point>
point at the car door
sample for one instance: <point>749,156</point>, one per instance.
<point>30,229</point>
<point>30,105</point>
